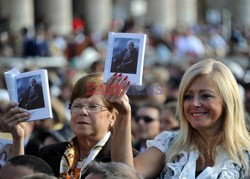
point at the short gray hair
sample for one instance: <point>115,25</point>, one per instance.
<point>113,170</point>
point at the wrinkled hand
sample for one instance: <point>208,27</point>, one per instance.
<point>118,86</point>
<point>12,120</point>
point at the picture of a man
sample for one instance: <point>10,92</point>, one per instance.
<point>126,60</point>
<point>32,98</point>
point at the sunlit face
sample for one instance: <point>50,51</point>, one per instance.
<point>147,130</point>
<point>203,105</point>
<point>95,124</point>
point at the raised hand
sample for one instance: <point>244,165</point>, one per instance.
<point>12,120</point>
<point>117,87</point>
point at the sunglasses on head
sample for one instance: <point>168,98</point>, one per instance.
<point>146,119</point>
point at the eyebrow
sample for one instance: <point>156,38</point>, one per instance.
<point>202,90</point>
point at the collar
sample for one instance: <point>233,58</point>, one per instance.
<point>103,141</point>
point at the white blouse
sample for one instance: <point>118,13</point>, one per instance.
<point>183,167</point>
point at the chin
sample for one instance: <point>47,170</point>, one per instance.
<point>81,131</point>
<point>199,126</point>
<point>84,134</point>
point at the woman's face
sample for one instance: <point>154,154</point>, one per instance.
<point>203,105</point>
<point>90,124</point>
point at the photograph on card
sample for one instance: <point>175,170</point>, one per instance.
<point>30,92</point>
<point>125,54</point>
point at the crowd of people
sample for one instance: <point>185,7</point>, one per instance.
<point>194,122</point>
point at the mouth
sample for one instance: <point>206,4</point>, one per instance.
<point>82,122</point>
<point>198,114</point>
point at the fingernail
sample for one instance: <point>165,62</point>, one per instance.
<point>128,83</point>
<point>115,74</point>
<point>125,78</point>
<point>120,75</point>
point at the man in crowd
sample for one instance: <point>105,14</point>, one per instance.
<point>147,124</point>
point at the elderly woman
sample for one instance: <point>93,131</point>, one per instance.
<point>92,120</point>
<point>212,142</point>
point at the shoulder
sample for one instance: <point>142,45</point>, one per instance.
<point>38,86</point>
<point>247,153</point>
<point>163,141</point>
<point>58,148</point>
<point>52,154</point>
<point>105,153</point>
<point>135,50</point>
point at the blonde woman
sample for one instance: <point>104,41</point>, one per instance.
<point>212,142</point>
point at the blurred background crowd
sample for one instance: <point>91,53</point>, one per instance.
<point>69,39</point>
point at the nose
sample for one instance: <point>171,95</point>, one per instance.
<point>84,110</point>
<point>197,102</point>
<point>141,121</point>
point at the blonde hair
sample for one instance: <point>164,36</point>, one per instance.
<point>233,138</point>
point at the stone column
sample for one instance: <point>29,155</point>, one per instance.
<point>98,15</point>
<point>187,12</point>
<point>4,9</point>
<point>162,13</point>
<point>240,12</point>
<point>121,9</point>
<point>22,14</point>
<point>219,4</point>
<point>57,13</point>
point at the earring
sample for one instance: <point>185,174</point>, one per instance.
<point>111,127</point>
<point>110,124</point>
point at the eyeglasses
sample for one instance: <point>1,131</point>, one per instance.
<point>146,119</point>
<point>91,108</point>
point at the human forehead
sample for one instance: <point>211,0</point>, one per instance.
<point>150,111</point>
<point>203,83</point>
<point>97,99</point>
<point>166,113</point>
<point>130,43</point>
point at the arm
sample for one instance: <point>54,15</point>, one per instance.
<point>18,144</point>
<point>12,122</point>
<point>149,163</point>
<point>123,121</point>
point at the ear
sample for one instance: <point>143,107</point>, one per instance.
<point>113,119</point>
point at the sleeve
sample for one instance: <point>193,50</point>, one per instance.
<point>162,141</point>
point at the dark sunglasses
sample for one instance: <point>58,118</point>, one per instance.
<point>146,119</point>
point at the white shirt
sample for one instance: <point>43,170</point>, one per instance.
<point>93,153</point>
<point>184,167</point>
